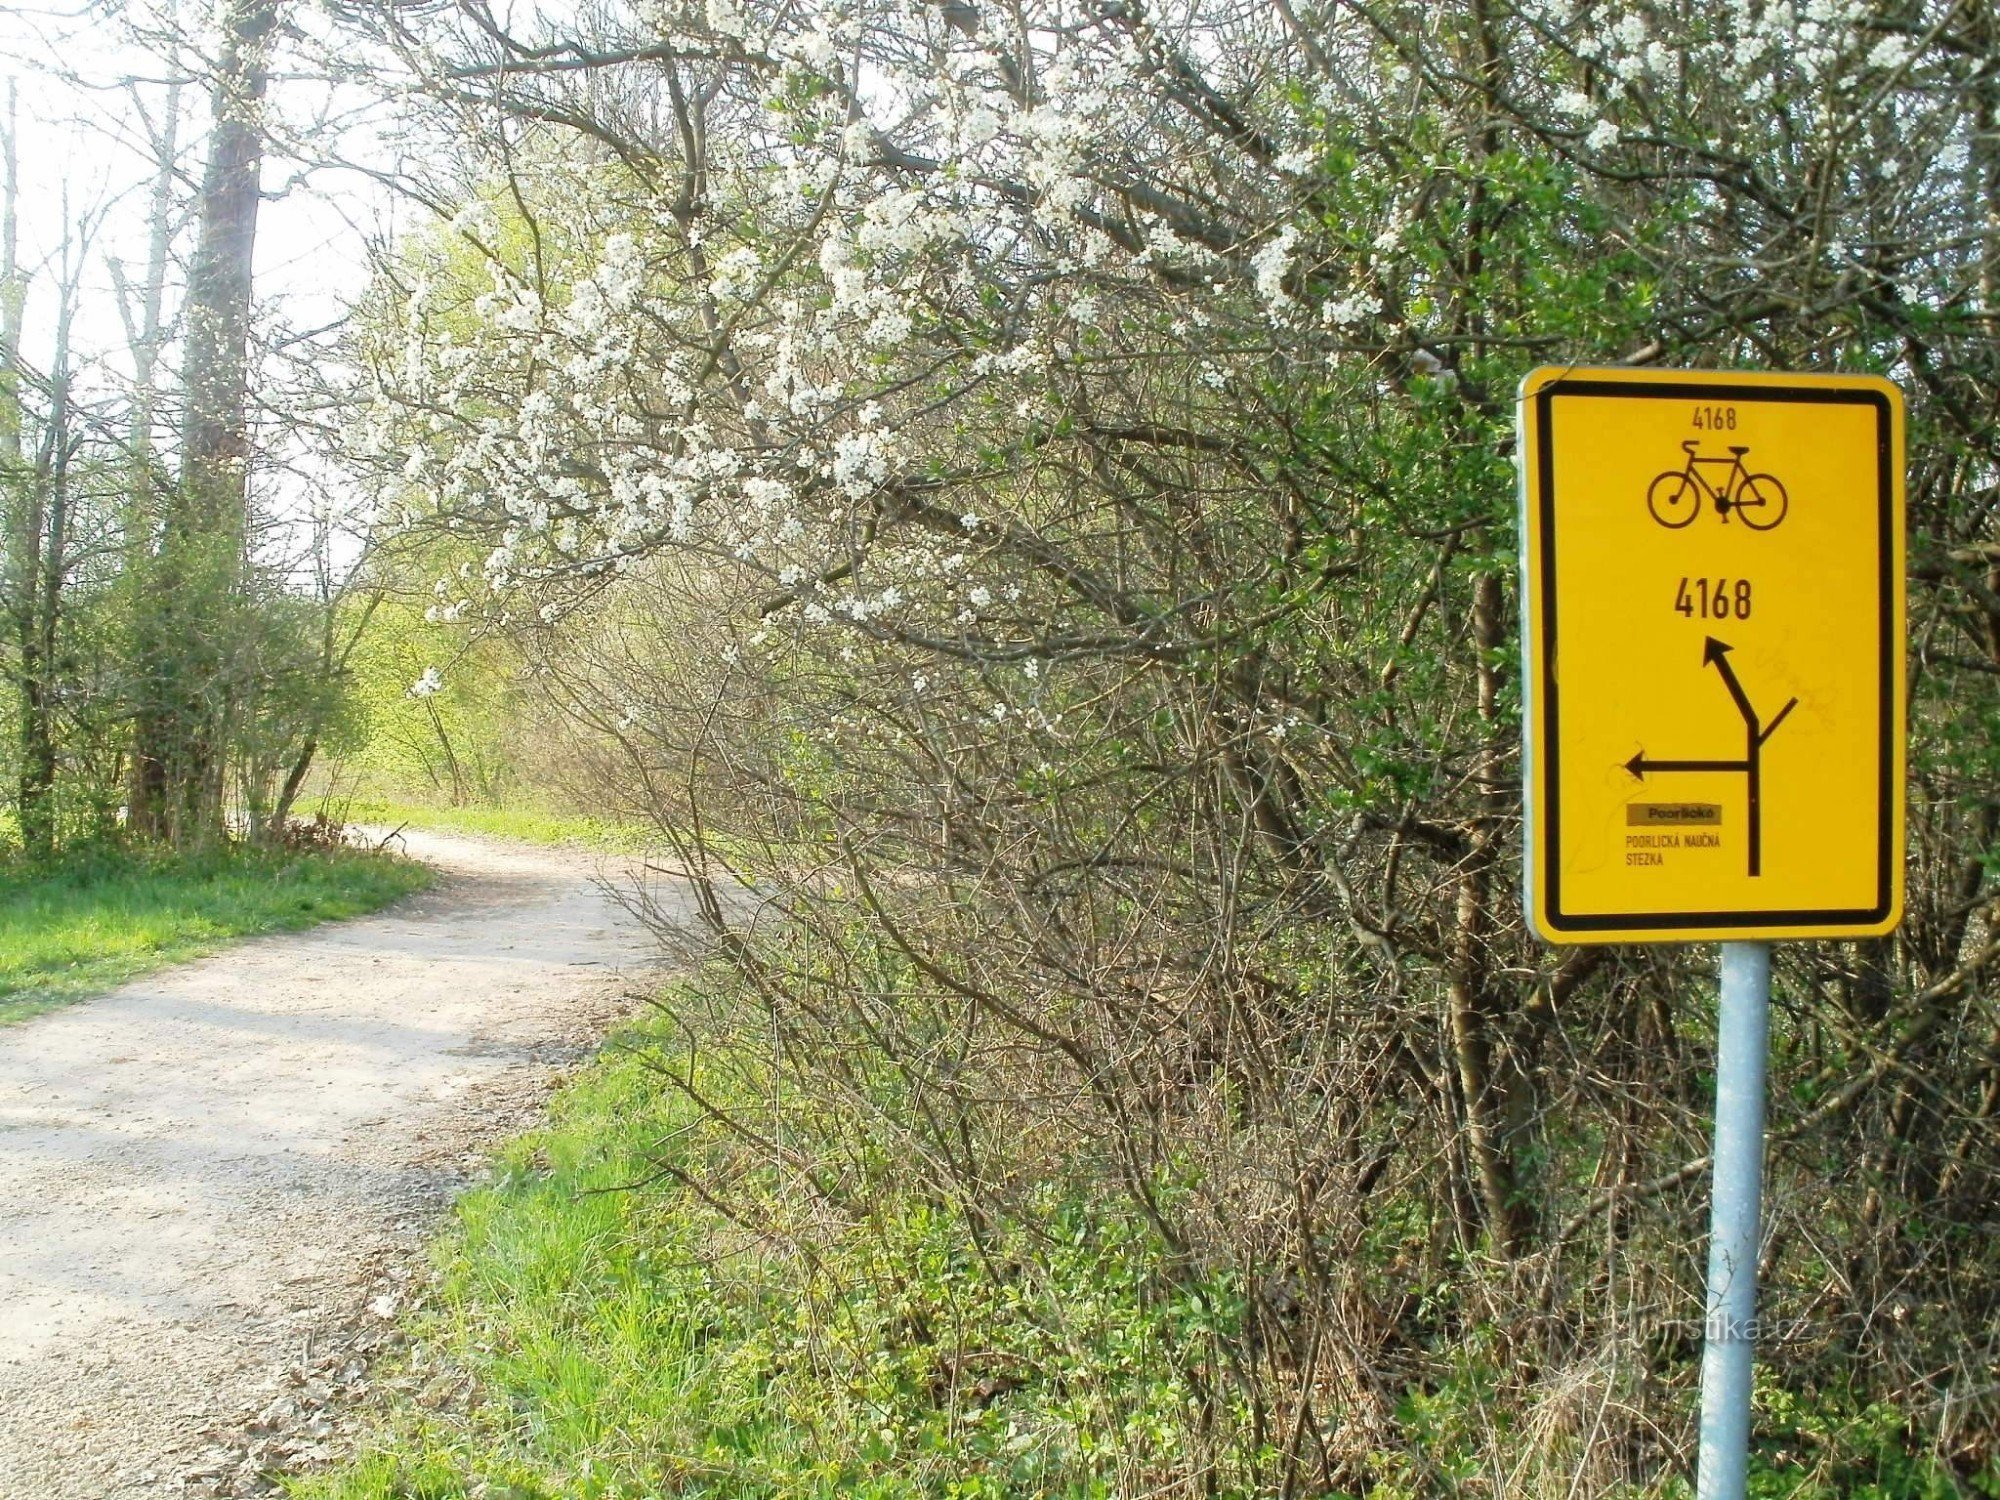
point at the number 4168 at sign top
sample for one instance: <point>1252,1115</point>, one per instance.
<point>1712,566</point>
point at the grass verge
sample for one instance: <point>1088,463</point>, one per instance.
<point>528,825</point>
<point>95,920</point>
<point>623,1336</point>
<point>625,1344</point>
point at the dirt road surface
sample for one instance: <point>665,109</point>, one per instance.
<point>215,1182</point>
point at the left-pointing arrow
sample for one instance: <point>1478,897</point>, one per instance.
<point>1639,765</point>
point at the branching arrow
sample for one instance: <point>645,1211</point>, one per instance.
<point>1772,728</point>
<point>1715,653</point>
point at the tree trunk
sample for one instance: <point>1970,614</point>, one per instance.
<point>40,544</point>
<point>294,779</point>
<point>143,310</point>
<point>38,743</point>
<point>13,291</point>
<point>198,573</point>
<point>1468,989</point>
<point>36,774</point>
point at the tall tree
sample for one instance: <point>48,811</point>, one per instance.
<point>40,547</point>
<point>13,289</point>
<point>177,789</point>
<point>143,307</point>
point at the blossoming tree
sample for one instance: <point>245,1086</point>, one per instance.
<point>1038,480</point>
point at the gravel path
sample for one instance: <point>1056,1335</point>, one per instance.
<point>215,1182</point>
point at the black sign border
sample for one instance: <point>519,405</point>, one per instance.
<point>1548,765</point>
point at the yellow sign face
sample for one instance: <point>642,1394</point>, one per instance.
<point>1712,564</point>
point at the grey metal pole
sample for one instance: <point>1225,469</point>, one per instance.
<point>1729,1334</point>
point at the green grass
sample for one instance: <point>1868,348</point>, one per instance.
<point>625,1345</point>
<point>528,825</point>
<point>633,1343</point>
<point>96,920</point>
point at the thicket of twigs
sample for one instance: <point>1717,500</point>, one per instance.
<point>1025,497</point>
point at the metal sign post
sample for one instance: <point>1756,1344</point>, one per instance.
<point>1729,1343</point>
<point>1713,709</point>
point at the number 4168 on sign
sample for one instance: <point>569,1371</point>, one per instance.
<point>1712,567</point>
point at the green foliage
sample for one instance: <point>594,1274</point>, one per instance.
<point>1822,1443</point>
<point>1835,1445</point>
<point>148,642</point>
<point>104,914</point>
<point>625,1338</point>
<point>529,824</point>
<point>632,1342</point>
<point>458,744</point>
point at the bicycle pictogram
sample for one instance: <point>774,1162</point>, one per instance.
<point>1675,497</point>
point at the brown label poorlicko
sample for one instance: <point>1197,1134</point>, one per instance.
<point>1674,814</point>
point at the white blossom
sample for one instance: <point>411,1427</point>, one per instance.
<point>816,50</point>
<point>727,18</point>
<point>1271,264</point>
<point>1890,53</point>
<point>735,274</point>
<point>979,127</point>
<point>1344,312</point>
<point>857,141</point>
<point>861,462</point>
<point>889,328</point>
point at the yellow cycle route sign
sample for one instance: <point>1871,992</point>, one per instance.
<point>1712,569</point>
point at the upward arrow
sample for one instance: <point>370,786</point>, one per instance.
<point>1715,654</point>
